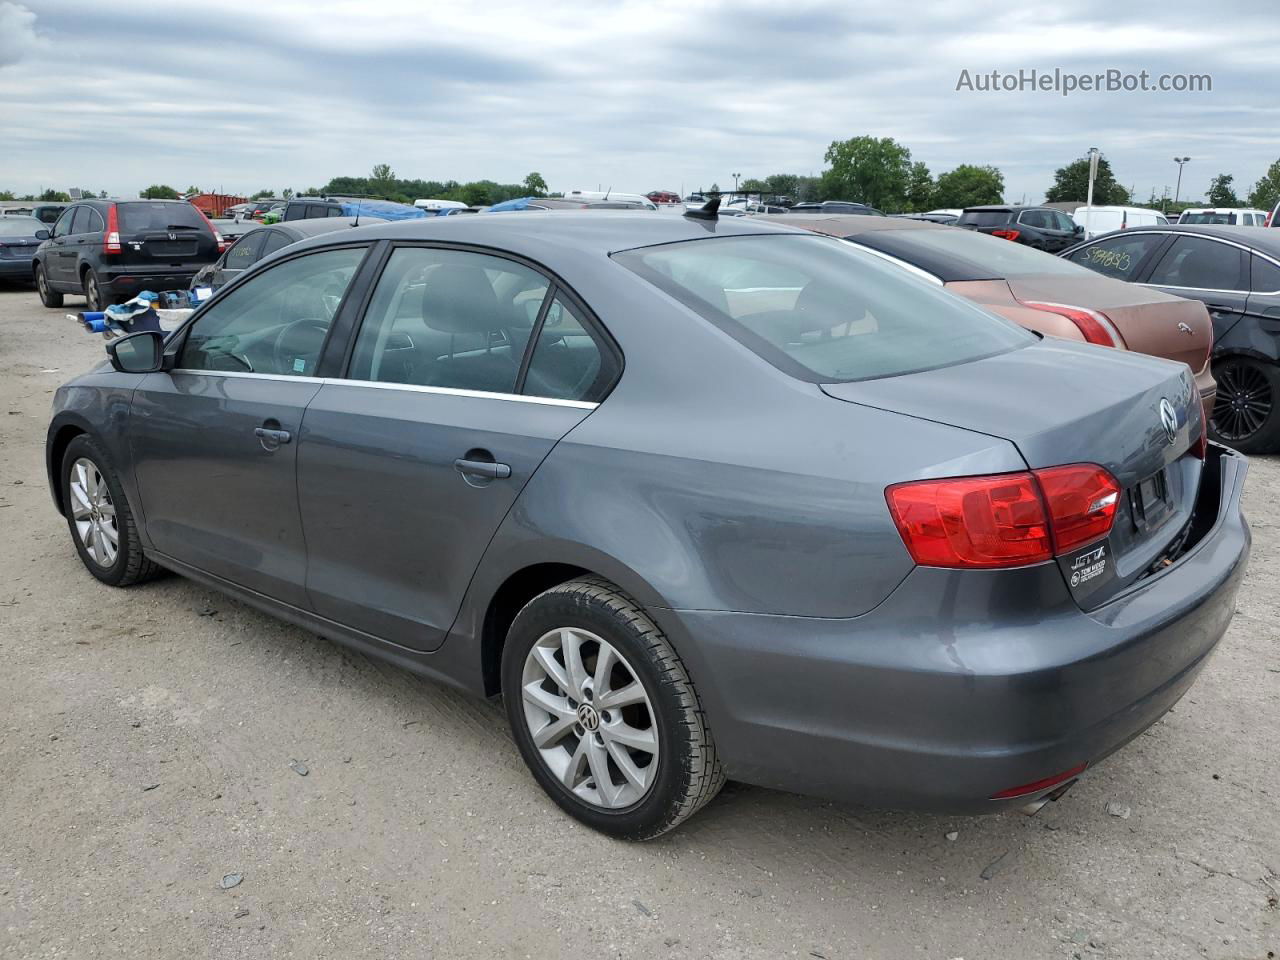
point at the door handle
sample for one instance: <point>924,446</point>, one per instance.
<point>1221,308</point>
<point>483,468</point>
<point>278,436</point>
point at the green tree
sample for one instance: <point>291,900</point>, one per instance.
<point>968,185</point>
<point>868,170</point>
<point>1266,192</point>
<point>159,191</point>
<point>1072,183</point>
<point>263,195</point>
<point>192,190</point>
<point>714,191</point>
<point>534,185</point>
<point>7,195</point>
<point>288,193</point>
<point>1220,192</point>
<point>382,180</point>
<point>102,194</point>
<point>782,185</point>
<point>753,185</point>
<point>54,196</point>
<point>919,189</point>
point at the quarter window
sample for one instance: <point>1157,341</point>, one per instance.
<point>1117,257</point>
<point>449,318</point>
<point>569,362</point>
<point>1200,264</point>
<point>276,322</point>
<point>1266,276</point>
<point>246,250</point>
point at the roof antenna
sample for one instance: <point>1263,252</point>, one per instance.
<point>357,223</point>
<point>708,211</point>
<point>609,191</point>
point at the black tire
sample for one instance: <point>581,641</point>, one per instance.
<point>93,298</point>
<point>1246,412</point>
<point>129,565</point>
<point>48,296</point>
<point>688,769</point>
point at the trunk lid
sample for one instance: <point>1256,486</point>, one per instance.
<point>1150,321</point>
<point>1059,403</point>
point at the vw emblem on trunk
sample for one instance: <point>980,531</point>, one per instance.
<point>173,236</point>
<point>1169,419</point>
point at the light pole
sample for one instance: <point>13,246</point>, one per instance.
<point>735,182</point>
<point>1088,203</point>
<point>1179,161</point>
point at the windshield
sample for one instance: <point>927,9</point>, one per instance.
<point>821,310</point>
<point>984,218</point>
<point>967,255</point>
<point>20,226</point>
<point>139,217</point>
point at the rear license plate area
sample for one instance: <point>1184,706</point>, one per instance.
<point>1150,501</point>
<point>171,248</point>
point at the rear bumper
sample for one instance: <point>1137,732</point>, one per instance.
<point>16,270</point>
<point>132,281</point>
<point>961,684</point>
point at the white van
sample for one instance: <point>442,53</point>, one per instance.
<point>1236,216</point>
<point>1096,220</point>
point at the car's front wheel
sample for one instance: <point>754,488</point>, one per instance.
<point>48,296</point>
<point>604,712</point>
<point>1245,410</point>
<point>99,517</point>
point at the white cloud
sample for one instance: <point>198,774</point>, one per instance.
<point>18,38</point>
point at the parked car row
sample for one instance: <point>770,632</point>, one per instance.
<point>569,459</point>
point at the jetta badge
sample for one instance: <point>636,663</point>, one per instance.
<point>1169,419</point>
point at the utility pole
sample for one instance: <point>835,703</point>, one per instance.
<point>1088,203</point>
<point>1178,189</point>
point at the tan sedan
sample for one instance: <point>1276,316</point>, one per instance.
<point>1035,289</point>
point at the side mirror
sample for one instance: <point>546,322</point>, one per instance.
<point>138,352</point>
<point>1078,230</point>
<point>42,234</point>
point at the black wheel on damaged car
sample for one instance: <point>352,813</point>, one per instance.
<point>92,291</point>
<point>1244,411</point>
<point>99,517</point>
<point>604,712</point>
<point>48,296</point>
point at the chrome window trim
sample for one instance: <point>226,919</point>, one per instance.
<point>909,267</point>
<point>405,387</point>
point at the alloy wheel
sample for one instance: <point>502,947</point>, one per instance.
<point>42,284</point>
<point>91,295</point>
<point>1244,401</point>
<point>94,513</point>
<point>590,718</point>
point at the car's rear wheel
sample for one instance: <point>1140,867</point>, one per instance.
<point>99,517</point>
<point>1245,412</point>
<point>604,712</point>
<point>48,296</point>
<point>92,291</point>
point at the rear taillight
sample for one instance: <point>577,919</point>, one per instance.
<point>1093,325</point>
<point>222,244</point>
<point>1005,520</point>
<point>1082,500</point>
<point>1039,786</point>
<point>111,240</point>
<point>1007,234</point>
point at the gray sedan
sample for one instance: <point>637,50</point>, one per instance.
<point>699,498</point>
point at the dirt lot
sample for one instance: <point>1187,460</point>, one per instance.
<point>146,738</point>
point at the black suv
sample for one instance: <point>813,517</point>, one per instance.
<point>112,250</point>
<point>1041,227</point>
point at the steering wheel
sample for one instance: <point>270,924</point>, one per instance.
<point>311,327</point>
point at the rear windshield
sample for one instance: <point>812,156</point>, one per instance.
<point>139,216</point>
<point>985,218</point>
<point>1207,218</point>
<point>966,255</point>
<point>20,226</point>
<point>822,310</point>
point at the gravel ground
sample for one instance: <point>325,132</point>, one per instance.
<point>147,736</point>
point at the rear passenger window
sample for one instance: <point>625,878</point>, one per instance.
<point>80,222</point>
<point>568,362</point>
<point>1117,257</point>
<point>277,240</point>
<point>449,318</point>
<point>245,252</point>
<point>1200,264</point>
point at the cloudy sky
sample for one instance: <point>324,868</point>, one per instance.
<point>635,95</point>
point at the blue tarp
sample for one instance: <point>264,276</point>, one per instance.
<point>386,209</point>
<point>521,203</point>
